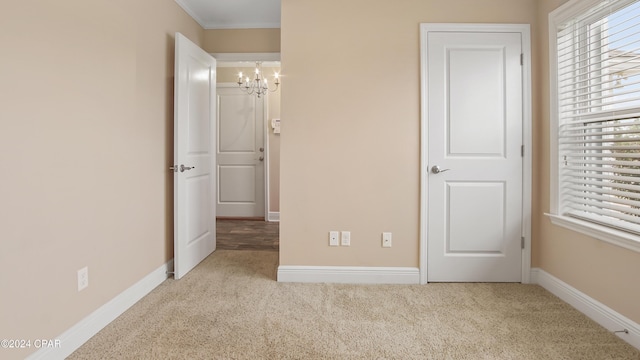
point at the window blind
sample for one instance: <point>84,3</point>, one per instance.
<point>599,115</point>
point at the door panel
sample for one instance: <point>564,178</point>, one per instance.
<point>237,115</point>
<point>198,193</point>
<point>238,184</point>
<point>475,96</point>
<point>474,205</point>
<point>194,144</point>
<point>475,227</point>
<point>240,154</point>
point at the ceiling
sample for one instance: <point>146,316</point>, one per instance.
<point>233,14</point>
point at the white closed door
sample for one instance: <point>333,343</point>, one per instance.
<point>240,153</point>
<point>475,122</point>
<point>194,156</point>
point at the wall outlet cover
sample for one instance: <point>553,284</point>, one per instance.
<point>346,238</point>
<point>386,239</point>
<point>333,238</point>
<point>83,278</point>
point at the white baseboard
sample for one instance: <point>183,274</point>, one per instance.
<point>597,311</point>
<point>77,335</point>
<point>349,274</point>
<point>273,216</point>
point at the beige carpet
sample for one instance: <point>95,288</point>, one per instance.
<point>230,307</point>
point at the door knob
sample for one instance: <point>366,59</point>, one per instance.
<point>261,149</point>
<point>183,168</point>
<point>261,158</point>
<point>436,169</point>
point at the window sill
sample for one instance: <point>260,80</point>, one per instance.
<point>612,236</point>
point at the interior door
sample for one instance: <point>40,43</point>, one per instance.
<point>240,154</point>
<point>194,160</point>
<point>475,164</point>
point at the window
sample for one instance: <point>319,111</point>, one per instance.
<point>595,97</point>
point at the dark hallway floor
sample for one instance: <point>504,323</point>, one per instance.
<point>247,235</point>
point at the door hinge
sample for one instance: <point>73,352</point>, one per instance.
<point>522,242</point>
<point>522,150</point>
<point>521,59</point>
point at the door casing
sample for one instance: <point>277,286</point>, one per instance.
<point>524,30</point>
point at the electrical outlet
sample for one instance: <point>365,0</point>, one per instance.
<point>346,238</point>
<point>83,278</point>
<point>333,238</point>
<point>386,239</point>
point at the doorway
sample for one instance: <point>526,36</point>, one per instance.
<point>476,170</point>
<point>251,183</point>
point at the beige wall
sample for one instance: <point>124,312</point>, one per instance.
<point>605,272</point>
<point>242,41</point>
<point>86,120</point>
<point>230,75</point>
<point>350,144</point>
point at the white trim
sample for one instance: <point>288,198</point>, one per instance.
<point>553,115</point>
<point>193,14</point>
<point>248,57</point>
<point>567,11</point>
<point>525,31</point>
<point>214,25</point>
<point>274,216</point>
<point>267,160</point>
<point>597,311</point>
<point>527,174</point>
<point>265,143</point>
<point>348,274</point>
<point>248,64</point>
<point>612,236</point>
<point>82,331</point>
<point>217,26</point>
<point>424,153</point>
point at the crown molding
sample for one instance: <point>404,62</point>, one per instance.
<point>224,26</point>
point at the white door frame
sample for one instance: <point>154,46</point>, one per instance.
<point>265,136</point>
<point>525,32</point>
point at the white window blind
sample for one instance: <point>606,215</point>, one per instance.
<point>599,115</point>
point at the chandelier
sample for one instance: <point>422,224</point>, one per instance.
<point>258,85</point>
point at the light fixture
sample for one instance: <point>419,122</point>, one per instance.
<point>258,85</point>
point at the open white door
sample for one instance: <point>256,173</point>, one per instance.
<point>194,156</point>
